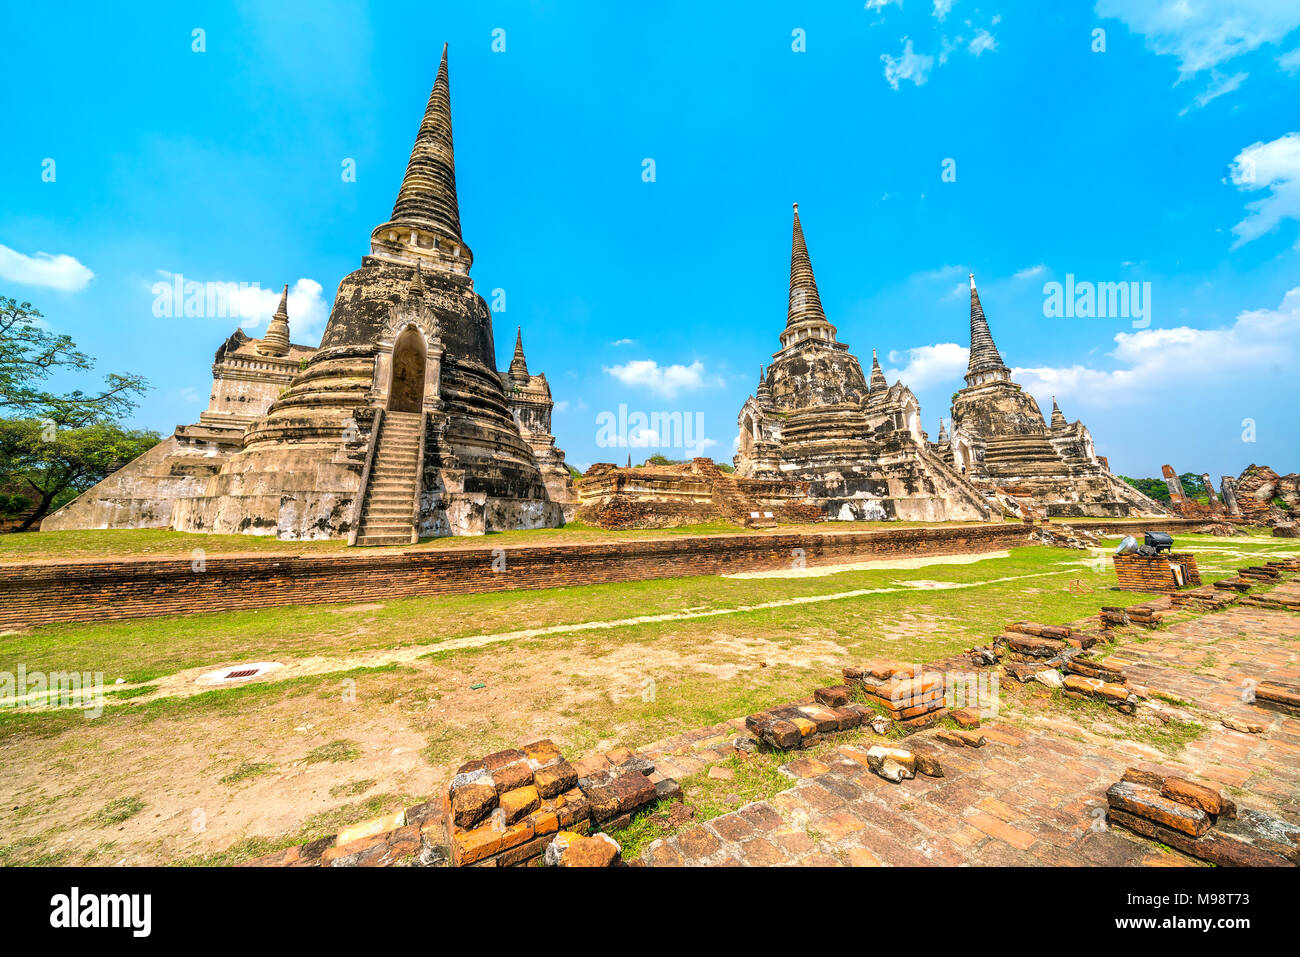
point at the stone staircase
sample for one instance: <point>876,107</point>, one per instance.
<point>389,508</point>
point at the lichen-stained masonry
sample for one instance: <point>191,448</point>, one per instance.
<point>398,427</point>
<point>858,444</point>
<point>1001,443</point>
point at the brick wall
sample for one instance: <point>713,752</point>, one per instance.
<point>99,590</point>
<point>1154,573</point>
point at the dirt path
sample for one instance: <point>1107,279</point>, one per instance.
<point>186,683</point>
<point>875,564</point>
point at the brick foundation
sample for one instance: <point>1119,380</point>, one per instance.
<point>1155,573</point>
<point>99,590</point>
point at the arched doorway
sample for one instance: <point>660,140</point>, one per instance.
<point>747,435</point>
<point>406,392</point>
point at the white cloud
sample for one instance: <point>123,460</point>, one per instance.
<point>910,66</point>
<point>881,4</point>
<point>1204,33</point>
<point>983,41</point>
<point>1274,166</point>
<point>561,406</point>
<point>1290,61</point>
<point>941,8</point>
<point>307,312</point>
<point>643,438</point>
<point>1029,272</point>
<point>623,342</point>
<point>1156,360</point>
<point>925,366</point>
<point>252,305</point>
<point>1219,85</point>
<point>699,447</point>
<point>62,272</point>
<point>666,381</point>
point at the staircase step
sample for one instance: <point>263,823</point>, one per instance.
<point>387,517</point>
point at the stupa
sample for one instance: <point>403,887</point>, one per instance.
<point>856,442</point>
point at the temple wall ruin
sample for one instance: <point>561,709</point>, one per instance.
<point>44,592</point>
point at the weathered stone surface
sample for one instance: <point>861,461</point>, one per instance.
<point>399,425</point>
<point>927,759</point>
<point>572,807</point>
<point>519,803</point>
<point>512,776</point>
<point>1194,795</point>
<point>836,696</point>
<point>634,790</point>
<point>1148,803</point>
<point>1148,779</point>
<point>1032,646</point>
<point>892,764</point>
<point>961,737</point>
<point>555,778</point>
<point>541,753</point>
<point>378,825</point>
<point>600,850</point>
<point>1245,727</point>
<point>855,443</point>
<point>472,803</point>
<point>966,717</point>
<point>1225,850</point>
<point>1000,439</point>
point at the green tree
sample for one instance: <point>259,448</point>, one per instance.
<point>30,353</point>
<point>59,463</point>
<point>1150,487</point>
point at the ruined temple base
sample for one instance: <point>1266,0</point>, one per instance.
<point>690,493</point>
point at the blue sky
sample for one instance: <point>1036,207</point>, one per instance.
<point>1171,157</point>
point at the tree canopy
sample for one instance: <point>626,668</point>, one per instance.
<point>54,445</point>
<point>30,353</point>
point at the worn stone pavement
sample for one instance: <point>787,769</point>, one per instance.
<point>1035,793</point>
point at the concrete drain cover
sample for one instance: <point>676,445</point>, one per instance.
<point>239,673</point>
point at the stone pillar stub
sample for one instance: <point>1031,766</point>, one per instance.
<point>1209,488</point>
<point>1229,486</point>
<point>1175,485</point>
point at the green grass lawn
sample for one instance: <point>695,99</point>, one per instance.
<point>231,750</point>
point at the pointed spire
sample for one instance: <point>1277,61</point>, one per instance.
<point>1058,419</point>
<point>805,303</point>
<point>764,394</point>
<point>518,365</point>
<point>984,357</point>
<point>878,380</point>
<point>426,215</point>
<point>276,340</point>
<point>943,431</point>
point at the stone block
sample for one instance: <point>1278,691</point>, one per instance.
<point>519,803</point>
<point>555,778</point>
<point>472,803</point>
<point>1148,803</point>
<point>836,696</point>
